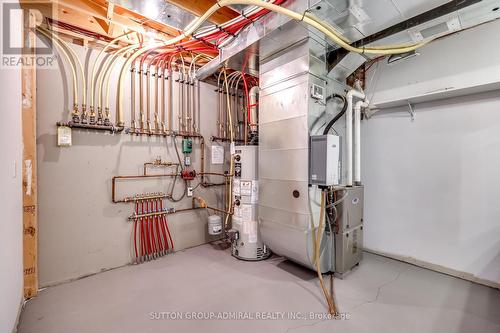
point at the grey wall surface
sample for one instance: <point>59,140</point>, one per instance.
<point>11,200</point>
<point>432,184</point>
<point>81,230</point>
<point>458,64</point>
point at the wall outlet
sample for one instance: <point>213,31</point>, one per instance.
<point>189,191</point>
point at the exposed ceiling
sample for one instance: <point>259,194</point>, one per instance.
<point>177,13</point>
<point>159,10</point>
<point>357,19</point>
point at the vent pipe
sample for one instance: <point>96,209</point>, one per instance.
<point>349,137</point>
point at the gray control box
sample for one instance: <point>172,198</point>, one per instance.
<point>324,153</point>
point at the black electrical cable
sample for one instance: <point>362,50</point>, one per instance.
<point>340,114</point>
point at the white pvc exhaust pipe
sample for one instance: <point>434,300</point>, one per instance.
<point>357,140</point>
<point>349,140</point>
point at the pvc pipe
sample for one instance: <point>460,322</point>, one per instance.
<point>348,119</point>
<point>73,71</point>
<point>357,140</point>
<point>94,67</point>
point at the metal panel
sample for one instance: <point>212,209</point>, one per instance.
<point>348,249</point>
<point>478,13</point>
<point>411,8</point>
<point>251,35</point>
<point>286,165</point>
<point>287,103</point>
<point>276,139</point>
<point>349,231</point>
<point>159,10</point>
<point>350,211</point>
<point>279,194</point>
<point>288,207</point>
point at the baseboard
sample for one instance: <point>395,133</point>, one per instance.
<point>437,268</point>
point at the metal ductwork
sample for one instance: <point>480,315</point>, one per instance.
<point>243,52</point>
<point>291,67</point>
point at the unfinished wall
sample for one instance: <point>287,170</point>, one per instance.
<point>11,205</point>
<point>432,185</point>
<point>81,230</point>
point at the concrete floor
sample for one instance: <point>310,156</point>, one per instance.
<point>381,295</point>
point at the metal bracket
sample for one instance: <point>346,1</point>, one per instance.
<point>411,111</point>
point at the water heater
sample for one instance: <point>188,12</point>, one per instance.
<point>247,243</point>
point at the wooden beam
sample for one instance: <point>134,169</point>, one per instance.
<point>93,15</point>
<point>109,16</point>
<point>199,7</point>
<point>30,201</point>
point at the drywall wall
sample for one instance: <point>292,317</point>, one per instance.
<point>81,230</point>
<point>11,203</point>
<point>455,65</point>
<point>432,184</point>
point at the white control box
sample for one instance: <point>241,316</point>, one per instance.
<point>324,154</point>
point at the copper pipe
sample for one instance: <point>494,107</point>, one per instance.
<point>145,132</point>
<point>132,99</point>
<point>195,105</point>
<point>162,98</point>
<point>203,205</point>
<point>185,209</point>
<point>188,104</point>
<point>226,114</point>
<point>157,117</point>
<point>110,128</point>
<point>180,111</point>
<point>217,210</point>
<point>170,102</point>
<point>128,199</point>
<point>157,164</point>
<point>138,216</point>
<point>215,174</point>
<point>224,139</point>
<point>148,97</point>
<point>202,159</point>
<point>245,108</point>
<point>207,185</point>
<point>141,100</point>
<point>198,107</point>
<point>219,128</point>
